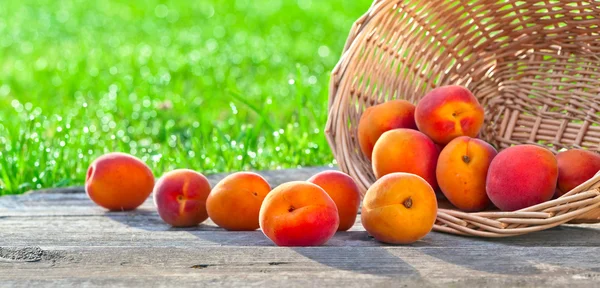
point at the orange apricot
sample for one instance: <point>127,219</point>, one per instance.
<point>380,118</point>
<point>344,192</point>
<point>406,150</point>
<point>234,203</point>
<point>118,181</point>
<point>462,171</point>
<point>399,208</point>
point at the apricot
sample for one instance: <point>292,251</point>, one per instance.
<point>344,192</point>
<point>118,181</point>
<point>180,197</point>
<point>521,176</point>
<point>462,171</point>
<point>448,112</point>
<point>575,166</point>
<point>378,119</point>
<point>298,214</point>
<point>406,150</point>
<point>234,203</point>
<point>399,208</point>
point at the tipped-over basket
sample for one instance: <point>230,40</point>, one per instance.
<point>533,65</point>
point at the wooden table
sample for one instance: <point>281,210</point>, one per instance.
<point>60,238</point>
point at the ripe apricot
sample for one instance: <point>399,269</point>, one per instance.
<point>521,176</point>
<point>180,197</point>
<point>344,192</point>
<point>575,166</point>
<point>298,214</point>
<point>399,208</point>
<point>406,150</point>
<point>118,181</point>
<point>380,118</point>
<point>462,171</point>
<point>448,112</point>
<point>234,203</point>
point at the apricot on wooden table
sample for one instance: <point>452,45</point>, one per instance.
<point>399,208</point>
<point>234,203</point>
<point>119,181</point>
<point>344,192</point>
<point>180,197</point>
<point>299,213</point>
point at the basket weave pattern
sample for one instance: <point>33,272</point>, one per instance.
<point>533,65</point>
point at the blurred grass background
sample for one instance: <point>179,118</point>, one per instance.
<point>209,85</point>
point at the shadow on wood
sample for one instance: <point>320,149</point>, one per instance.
<point>150,221</point>
<point>561,236</point>
<point>528,255</point>
<point>364,260</point>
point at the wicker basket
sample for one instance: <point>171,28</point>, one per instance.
<point>533,65</point>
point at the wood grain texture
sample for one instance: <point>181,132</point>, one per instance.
<point>60,238</point>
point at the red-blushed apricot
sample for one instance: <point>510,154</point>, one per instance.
<point>399,208</point>
<point>344,192</point>
<point>521,176</point>
<point>119,181</point>
<point>462,171</point>
<point>380,118</point>
<point>298,214</point>
<point>575,166</point>
<point>180,197</point>
<point>406,150</point>
<point>447,112</point>
<point>234,203</point>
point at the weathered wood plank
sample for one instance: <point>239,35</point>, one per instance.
<point>60,238</point>
<point>336,265</point>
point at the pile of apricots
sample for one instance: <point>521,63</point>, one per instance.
<point>436,140</point>
<point>415,151</point>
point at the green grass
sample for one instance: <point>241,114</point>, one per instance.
<point>214,86</point>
